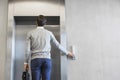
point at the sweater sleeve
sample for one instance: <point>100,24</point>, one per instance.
<point>57,44</point>
<point>27,54</point>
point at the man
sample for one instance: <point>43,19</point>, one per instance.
<point>38,45</point>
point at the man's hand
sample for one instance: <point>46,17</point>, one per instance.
<point>70,55</point>
<point>26,66</point>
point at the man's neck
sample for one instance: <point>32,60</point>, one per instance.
<point>40,27</point>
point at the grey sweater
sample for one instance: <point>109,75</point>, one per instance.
<point>39,44</point>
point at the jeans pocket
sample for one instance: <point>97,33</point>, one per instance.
<point>34,64</point>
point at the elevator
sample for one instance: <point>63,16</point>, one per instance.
<point>21,19</point>
<point>22,27</point>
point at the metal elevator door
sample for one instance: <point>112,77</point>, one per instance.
<point>20,47</point>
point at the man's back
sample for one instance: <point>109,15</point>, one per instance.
<point>40,40</point>
<point>40,46</point>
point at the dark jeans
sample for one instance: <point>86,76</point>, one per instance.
<point>41,69</point>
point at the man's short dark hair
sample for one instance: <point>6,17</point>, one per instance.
<point>41,20</point>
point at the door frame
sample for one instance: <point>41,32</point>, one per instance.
<point>10,58</point>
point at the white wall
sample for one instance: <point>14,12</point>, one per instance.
<point>93,26</point>
<point>3,28</point>
<point>36,7</point>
